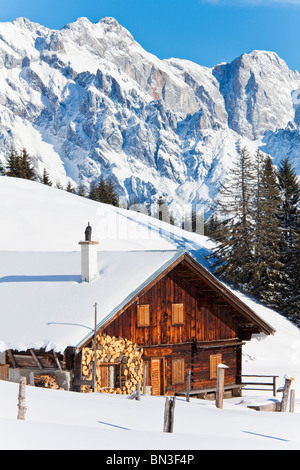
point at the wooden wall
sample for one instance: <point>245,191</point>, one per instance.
<point>204,320</point>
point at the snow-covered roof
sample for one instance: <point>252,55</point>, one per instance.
<point>44,304</point>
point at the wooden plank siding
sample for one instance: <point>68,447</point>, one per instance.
<point>203,320</point>
<point>204,323</point>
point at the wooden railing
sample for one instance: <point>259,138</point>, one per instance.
<point>272,384</point>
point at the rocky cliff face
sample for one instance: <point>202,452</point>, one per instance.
<point>89,100</point>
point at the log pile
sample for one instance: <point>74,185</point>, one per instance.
<point>46,381</point>
<point>125,355</point>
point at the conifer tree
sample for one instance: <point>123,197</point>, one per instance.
<point>233,254</point>
<point>213,227</point>
<point>101,190</point>
<point>111,193</point>
<point>59,185</point>
<point>27,169</point>
<point>93,194</point>
<point>104,192</point>
<point>81,190</point>
<point>20,166</point>
<point>290,194</point>
<point>13,164</point>
<point>290,240</point>
<point>46,179</point>
<point>269,235</point>
<point>69,188</point>
<point>258,216</point>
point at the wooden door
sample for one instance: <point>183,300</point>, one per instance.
<point>104,376</point>
<point>4,371</point>
<point>157,376</point>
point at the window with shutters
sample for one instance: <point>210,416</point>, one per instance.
<point>143,315</point>
<point>214,361</point>
<point>177,371</point>
<point>177,314</point>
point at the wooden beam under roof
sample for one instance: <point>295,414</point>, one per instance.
<point>37,361</point>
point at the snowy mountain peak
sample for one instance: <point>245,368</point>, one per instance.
<point>106,26</point>
<point>89,100</point>
<point>257,89</point>
<point>24,22</point>
<point>111,24</point>
<point>81,22</point>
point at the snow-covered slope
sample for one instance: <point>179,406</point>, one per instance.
<point>35,217</point>
<point>89,100</point>
<point>60,420</point>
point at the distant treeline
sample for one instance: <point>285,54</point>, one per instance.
<point>19,165</point>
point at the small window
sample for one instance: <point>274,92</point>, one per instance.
<point>177,314</point>
<point>143,315</point>
<point>214,361</point>
<point>177,371</point>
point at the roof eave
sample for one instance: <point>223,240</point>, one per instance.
<point>232,298</point>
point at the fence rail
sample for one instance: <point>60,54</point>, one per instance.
<point>272,384</point>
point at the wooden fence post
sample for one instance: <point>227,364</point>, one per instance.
<point>220,385</point>
<point>292,400</point>
<point>166,415</point>
<point>21,399</point>
<point>285,395</point>
<point>138,391</point>
<point>274,386</point>
<point>172,408</point>
<point>169,414</point>
<point>31,379</point>
<point>188,385</point>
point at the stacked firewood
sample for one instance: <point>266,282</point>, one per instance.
<point>113,350</point>
<point>46,381</point>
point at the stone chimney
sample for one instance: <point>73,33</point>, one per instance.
<point>89,266</point>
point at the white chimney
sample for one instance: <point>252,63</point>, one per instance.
<point>89,265</point>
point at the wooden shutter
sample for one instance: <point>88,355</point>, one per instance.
<point>143,315</point>
<point>177,371</point>
<point>104,376</point>
<point>177,314</point>
<point>214,361</point>
<point>155,376</point>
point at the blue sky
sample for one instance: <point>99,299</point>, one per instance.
<point>204,31</point>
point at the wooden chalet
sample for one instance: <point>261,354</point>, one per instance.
<point>185,319</point>
<point>173,318</point>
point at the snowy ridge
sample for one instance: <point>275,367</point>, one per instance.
<point>89,100</point>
